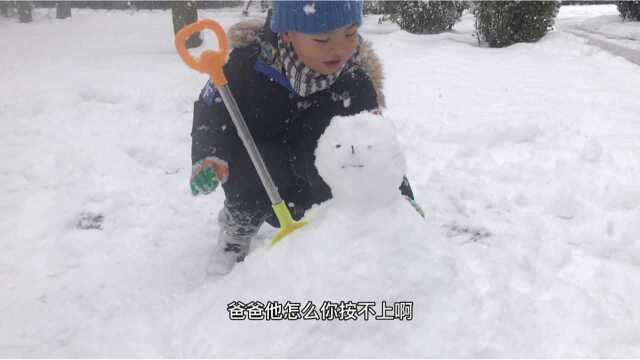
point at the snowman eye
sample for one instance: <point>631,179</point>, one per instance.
<point>338,146</point>
<point>369,147</point>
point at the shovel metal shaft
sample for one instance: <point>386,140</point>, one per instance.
<point>212,62</point>
<point>249,144</point>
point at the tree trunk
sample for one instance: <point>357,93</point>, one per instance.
<point>63,10</point>
<point>24,11</point>
<point>265,5</point>
<point>185,13</point>
<point>245,10</point>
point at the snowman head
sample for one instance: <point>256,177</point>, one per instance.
<point>360,158</point>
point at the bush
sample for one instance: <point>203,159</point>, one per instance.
<point>629,10</point>
<point>4,8</point>
<point>185,13</point>
<point>25,11</point>
<point>371,7</point>
<point>422,17</point>
<point>503,23</point>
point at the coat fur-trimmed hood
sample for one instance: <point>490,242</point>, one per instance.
<point>246,32</point>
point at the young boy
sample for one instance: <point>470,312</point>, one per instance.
<point>290,78</point>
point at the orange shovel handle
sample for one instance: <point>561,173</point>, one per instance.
<point>210,61</point>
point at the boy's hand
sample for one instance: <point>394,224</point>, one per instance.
<point>207,173</point>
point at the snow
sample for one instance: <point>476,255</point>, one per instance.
<point>613,26</point>
<point>605,24</point>
<point>525,160</point>
<point>364,171</point>
<point>310,9</point>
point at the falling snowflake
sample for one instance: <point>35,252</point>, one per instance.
<point>310,9</point>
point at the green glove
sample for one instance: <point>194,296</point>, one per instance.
<point>207,173</point>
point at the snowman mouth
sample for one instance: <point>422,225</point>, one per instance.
<point>352,166</point>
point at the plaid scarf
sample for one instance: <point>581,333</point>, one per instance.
<point>304,80</point>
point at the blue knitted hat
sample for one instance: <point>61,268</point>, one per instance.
<point>314,17</point>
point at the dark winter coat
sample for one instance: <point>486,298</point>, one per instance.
<point>285,126</point>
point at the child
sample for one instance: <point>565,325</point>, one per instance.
<point>290,78</point>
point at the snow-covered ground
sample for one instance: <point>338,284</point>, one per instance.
<point>603,19</point>
<point>525,160</point>
<point>602,23</point>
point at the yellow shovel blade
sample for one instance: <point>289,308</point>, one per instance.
<point>287,224</point>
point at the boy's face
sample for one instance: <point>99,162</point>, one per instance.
<point>324,52</point>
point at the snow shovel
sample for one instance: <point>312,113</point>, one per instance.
<point>211,62</point>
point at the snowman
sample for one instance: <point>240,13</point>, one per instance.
<point>360,158</point>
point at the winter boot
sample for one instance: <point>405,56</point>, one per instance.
<point>233,244</point>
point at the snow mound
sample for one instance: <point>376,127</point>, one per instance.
<point>448,287</point>
<point>367,244</point>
